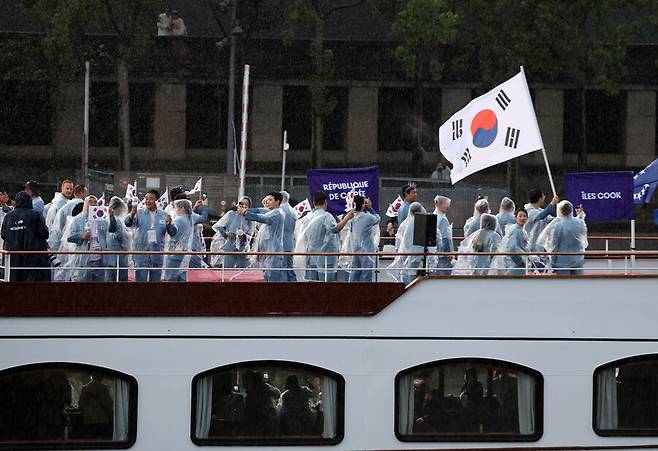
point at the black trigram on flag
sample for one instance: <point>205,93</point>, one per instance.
<point>456,129</point>
<point>512,137</point>
<point>503,100</point>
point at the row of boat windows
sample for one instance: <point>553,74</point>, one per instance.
<point>60,405</point>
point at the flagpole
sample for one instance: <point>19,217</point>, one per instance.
<point>283,159</point>
<point>543,150</point>
<point>243,134</point>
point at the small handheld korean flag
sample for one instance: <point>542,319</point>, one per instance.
<point>197,187</point>
<point>495,127</point>
<point>349,200</point>
<point>101,201</point>
<point>301,207</point>
<point>131,191</point>
<point>393,209</point>
<point>163,201</point>
<point>99,213</point>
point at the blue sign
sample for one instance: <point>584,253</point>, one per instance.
<point>605,196</point>
<point>338,183</point>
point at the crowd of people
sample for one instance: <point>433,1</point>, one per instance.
<point>277,233</point>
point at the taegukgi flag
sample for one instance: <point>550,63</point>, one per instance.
<point>495,127</point>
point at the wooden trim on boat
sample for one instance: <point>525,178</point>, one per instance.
<point>195,299</point>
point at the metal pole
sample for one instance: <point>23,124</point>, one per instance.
<point>283,160</point>
<point>230,131</point>
<point>8,268</point>
<point>243,134</point>
<point>85,150</point>
<point>632,244</point>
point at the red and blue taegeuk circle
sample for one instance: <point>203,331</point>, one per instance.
<point>484,128</point>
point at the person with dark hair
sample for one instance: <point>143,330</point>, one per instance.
<point>321,235</point>
<point>363,238</point>
<point>96,410</point>
<point>538,217</point>
<point>296,416</point>
<point>152,224</point>
<point>471,396</point>
<point>270,235</point>
<point>237,232</point>
<point>24,229</point>
<point>32,188</point>
<point>409,196</point>
<point>515,240</point>
<point>259,412</point>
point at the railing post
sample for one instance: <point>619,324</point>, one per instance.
<point>609,259</point>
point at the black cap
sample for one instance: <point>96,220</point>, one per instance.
<point>33,185</point>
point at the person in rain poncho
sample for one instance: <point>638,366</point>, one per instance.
<point>89,235</point>
<point>444,242</point>
<point>180,241</point>
<point>270,235</point>
<point>538,217</point>
<point>321,235</point>
<point>237,232</point>
<point>59,200</point>
<point>505,214</point>
<point>288,237</point>
<point>32,188</point>
<point>361,240</point>
<point>151,226</point>
<point>406,266</point>
<point>60,217</point>
<point>515,240</point>
<point>484,240</point>
<point>566,234</point>
<point>409,195</point>
<point>472,224</point>
<point>118,239</point>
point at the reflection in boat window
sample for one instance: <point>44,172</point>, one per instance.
<point>63,404</point>
<point>274,402</point>
<point>469,399</point>
<point>626,396</point>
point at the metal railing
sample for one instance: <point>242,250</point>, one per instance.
<point>326,264</point>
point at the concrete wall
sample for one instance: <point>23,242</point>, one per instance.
<point>640,127</point>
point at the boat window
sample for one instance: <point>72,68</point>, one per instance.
<point>469,400</point>
<point>268,403</point>
<point>626,396</point>
<point>66,405</point>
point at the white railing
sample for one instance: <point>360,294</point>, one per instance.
<point>596,262</point>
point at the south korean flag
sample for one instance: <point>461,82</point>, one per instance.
<point>495,127</point>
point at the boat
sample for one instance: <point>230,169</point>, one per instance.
<point>444,363</point>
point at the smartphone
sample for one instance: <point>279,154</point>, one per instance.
<point>204,196</point>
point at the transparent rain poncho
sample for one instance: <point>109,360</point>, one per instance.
<point>61,217</point>
<point>236,233</point>
<point>270,239</point>
<point>405,267</point>
<point>119,240</point>
<point>505,216</point>
<point>177,264</point>
<point>363,236</point>
<point>444,241</point>
<point>472,224</point>
<point>566,233</point>
<point>58,202</point>
<point>87,267</point>
<point>319,235</point>
<point>515,240</point>
<point>484,240</point>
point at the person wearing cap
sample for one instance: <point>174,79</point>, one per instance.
<point>32,188</point>
<point>409,196</point>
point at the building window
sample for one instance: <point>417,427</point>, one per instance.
<point>142,111</point>
<point>605,121</point>
<point>67,405</point>
<point>336,123</point>
<point>25,113</point>
<point>104,114</point>
<point>625,397</point>
<point>395,119</point>
<point>297,116</point>
<point>268,403</point>
<point>469,400</point>
<point>205,116</point>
